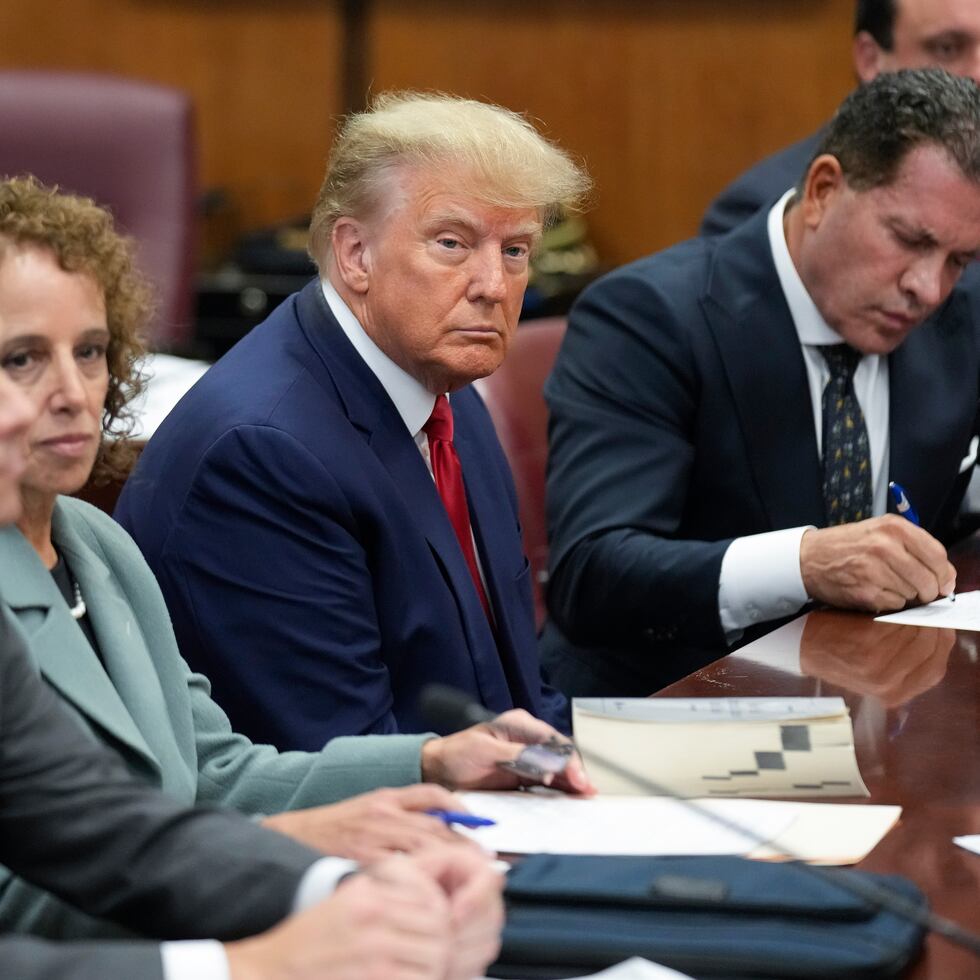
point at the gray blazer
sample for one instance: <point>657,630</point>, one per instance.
<point>149,706</point>
<point>73,819</point>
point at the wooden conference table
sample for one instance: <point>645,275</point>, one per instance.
<point>914,697</point>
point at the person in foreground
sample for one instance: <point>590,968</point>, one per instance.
<point>97,627</point>
<point>888,35</point>
<point>75,822</point>
<point>727,414</point>
<point>330,532</point>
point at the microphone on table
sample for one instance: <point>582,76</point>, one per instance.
<point>452,710</point>
<point>449,709</point>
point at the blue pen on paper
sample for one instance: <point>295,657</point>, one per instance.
<point>902,503</point>
<point>904,507</point>
<point>449,817</point>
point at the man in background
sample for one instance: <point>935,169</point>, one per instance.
<point>888,35</point>
<point>727,414</point>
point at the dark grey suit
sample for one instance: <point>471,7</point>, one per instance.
<point>73,821</point>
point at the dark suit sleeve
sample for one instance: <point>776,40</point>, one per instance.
<point>25,958</point>
<point>735,204</point>
<point>758,186</point>
<point>624,403</point>
<point>73,822</point>
<point>286,603</point>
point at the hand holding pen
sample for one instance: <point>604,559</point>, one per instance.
<point>880,564</point>
<point>904,507</point>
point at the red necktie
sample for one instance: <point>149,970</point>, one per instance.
<point>449,482</point>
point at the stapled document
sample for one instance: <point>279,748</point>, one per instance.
<point>720,747</point>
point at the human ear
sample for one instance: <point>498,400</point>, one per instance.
<point>868,57</point>
<point>824,180</point>
<point>349,244</point>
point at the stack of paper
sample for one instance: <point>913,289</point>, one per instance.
<point>719,747</point>
<point>545,822</point>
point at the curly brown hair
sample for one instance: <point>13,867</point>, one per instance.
<point>83,238</point>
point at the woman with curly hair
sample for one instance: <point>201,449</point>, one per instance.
<point>71,308</point>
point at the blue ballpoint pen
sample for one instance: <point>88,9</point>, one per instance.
<point>902,503</point>
<point>904,507</point>
<point>450,817</point>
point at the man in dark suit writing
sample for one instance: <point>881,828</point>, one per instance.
<point>727,415</point>
<point>330,531</point>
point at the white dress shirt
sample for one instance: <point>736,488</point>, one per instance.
<point>412,400</point>
<point>760,573</point>
<point>204,959</point>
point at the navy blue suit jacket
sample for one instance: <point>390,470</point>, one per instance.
<point>308,563</point>
<point>681,419</point>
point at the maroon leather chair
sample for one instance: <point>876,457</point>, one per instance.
<point>514,397</point>
<point>128,144</point>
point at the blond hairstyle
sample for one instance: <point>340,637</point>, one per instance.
<point>502,158</point>
<point>82,238</point>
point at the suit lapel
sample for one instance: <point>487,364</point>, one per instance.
<point>126,655</point>
<point>58,645</point>
<point>370,410</point>
<point>932,404</point>
<point>760,352</point>
<point>487,496</point>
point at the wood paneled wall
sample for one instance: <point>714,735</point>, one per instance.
<point>665,100</point>
<point>264,75</point>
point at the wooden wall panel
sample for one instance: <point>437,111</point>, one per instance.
<point>265,78</point>
<point>666,100</point>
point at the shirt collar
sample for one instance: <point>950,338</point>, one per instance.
<point>413,401</point>
<point>811,328</point>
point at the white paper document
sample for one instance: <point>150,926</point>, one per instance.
<point>961,614</point>
<point>719,747</point>
<point>699,711</point>
<point>971,842</point>
<point>637,969</point>
<point>552,823</point>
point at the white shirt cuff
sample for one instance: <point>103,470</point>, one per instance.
<point>320,880</point>
<point>196,959</point>
<point>760,580</point>
<point>204,959</point>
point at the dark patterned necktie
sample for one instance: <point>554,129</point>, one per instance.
<point>846,455</point>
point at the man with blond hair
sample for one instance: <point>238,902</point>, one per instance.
<point>330,530</point>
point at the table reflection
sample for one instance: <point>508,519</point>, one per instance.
<point>888,661</point>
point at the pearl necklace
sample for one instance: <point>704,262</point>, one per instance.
<point>79,609</point>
